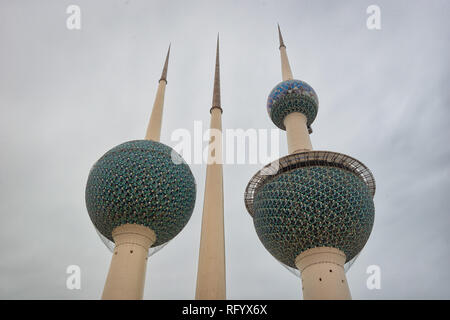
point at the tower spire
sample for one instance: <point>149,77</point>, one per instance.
<point>281,37</point>
<point>166,65</point>
<point>216,93</point>
<point>285,67</point>
<point>154,125</point>
<point>211,283</point>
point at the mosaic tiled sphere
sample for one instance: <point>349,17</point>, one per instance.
<point>138,182</point>
<point>310,207</point>
<point>292,96</point>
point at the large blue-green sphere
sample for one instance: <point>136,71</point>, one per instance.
<point>292,96</point>
<point>141,182</point>
<point>315,206</point>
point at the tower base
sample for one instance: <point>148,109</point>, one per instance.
<point>323,275</point>
<point>126,274</point>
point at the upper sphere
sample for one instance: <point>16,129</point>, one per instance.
<point>141,182</point>
<point>292,96</point>
<point>314,206</point>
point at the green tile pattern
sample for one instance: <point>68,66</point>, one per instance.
<point>292,96</point>
<point>137,182</point>
<point>312,207</point>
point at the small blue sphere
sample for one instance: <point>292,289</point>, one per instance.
<point>315,206</point>
<point>141,182</point>
<point>292,96</point>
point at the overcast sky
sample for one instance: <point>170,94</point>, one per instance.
<point>67,96</point>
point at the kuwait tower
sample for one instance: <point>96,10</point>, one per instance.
<point>211,261</point>
<point>312,210</point>
<point>139,195</point>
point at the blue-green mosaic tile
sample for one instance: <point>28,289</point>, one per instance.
<point>138,183</point>
<point>312,207</point>
<point>292,96</point>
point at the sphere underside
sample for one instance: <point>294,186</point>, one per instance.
<point>312,207</point>
<point>137,182</point>
<point>292,96</point>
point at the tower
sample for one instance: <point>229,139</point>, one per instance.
<point>312,210</point>
<point>211,262</point>
<point>140,194</point>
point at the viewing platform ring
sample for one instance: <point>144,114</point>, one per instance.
<point>305,159</point>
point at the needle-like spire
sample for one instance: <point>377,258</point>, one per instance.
<point>285,67</point>
<point>166,65</point>
<point>211,272</point>
<point>154,125</point>
<point>281,37</point>
<point>216,93</point>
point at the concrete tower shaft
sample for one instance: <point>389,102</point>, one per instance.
<point>211,283</point>
<point>154,125</point>
<point>286,71</point>
<point>323,275</point>
<point>126,275</point>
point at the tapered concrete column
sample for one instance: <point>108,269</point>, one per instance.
<point>285,67</point>
<point>297,133</point>
<point>126,276</point>
<point>154,125</point>
<point>323,275</point>
<point>211,282</point>
<point>295,123</point>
